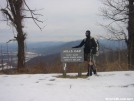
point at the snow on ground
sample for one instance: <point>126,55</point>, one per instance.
<point>6,67</point>
<point>108,86</point>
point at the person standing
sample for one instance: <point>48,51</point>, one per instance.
<point>89,49</point>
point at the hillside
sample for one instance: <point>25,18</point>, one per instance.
<point>55,47</point>
<point>51,49</point>
<point>107,86</point>
<point>50,54</point>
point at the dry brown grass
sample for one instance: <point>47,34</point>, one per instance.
<point>44,68</point>
<point>72,77</point>
<point>113,66</point>
<point>102,64</point>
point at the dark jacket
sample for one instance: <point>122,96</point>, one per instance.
<point>89,43</point>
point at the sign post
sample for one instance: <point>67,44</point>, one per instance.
<point>79,69</point>
<point>64,69</point>
<point>72,55</point>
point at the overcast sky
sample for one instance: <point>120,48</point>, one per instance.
<point>64,20</point>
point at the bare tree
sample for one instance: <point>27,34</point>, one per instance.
<point>121,27</point>
<point>14,14</point>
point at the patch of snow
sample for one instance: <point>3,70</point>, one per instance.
<point>47,87</point>
<point>7,67</point>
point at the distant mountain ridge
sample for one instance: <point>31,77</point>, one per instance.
<point>52,53</point>
<point>55,47</point>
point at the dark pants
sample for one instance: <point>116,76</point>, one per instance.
<point>91,69</point>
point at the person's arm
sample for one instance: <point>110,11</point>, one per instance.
<point>80,45</point>
<point>94,43</point>
<point>93,47</point>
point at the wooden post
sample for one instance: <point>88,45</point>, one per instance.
<point>79,69</point>
<point>64,69</point>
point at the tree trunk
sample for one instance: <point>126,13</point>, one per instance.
<point>21,47</point>
<point>21,54</point>
<point>20,35</point>
<point>131,35</point>
<point>14,13</point>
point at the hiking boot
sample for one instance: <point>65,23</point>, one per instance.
<point>94,71</point>
<point>89,71</point>
<point>88,74</point>
<point>91,74</point>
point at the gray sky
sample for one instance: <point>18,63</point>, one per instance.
<point>65,20</point>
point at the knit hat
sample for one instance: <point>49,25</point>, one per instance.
<point>88,32</point>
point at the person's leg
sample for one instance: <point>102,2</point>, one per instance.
<point>89,65</point>
<point>86,59</point>
<point>89,73</point>
<point>93,69</point>
<point>87,70</point>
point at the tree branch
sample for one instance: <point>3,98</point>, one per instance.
<point>34,19</point>
<point>6,13</point>
<point>11,40</point>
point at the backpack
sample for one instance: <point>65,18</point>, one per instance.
<point>95,50</point>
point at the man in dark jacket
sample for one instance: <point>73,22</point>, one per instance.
<point>89,49</point>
